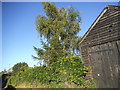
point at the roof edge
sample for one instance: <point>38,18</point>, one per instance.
<point>97,19</point>
<point>93,24</point>
<point>113,6</point>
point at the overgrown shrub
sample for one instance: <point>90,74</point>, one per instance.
<point>19,67</point>
<point>66,69</point>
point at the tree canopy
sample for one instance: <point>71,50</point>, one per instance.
<point>19,66</point>
<point>58,31</point>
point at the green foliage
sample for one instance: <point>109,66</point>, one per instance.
<point>89,83</point>
<point>66,69</point>
<point>3,72</point>
<point>58,32</point>
<point>19,67</point>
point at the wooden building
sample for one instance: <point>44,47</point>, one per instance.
<point>100,47</point>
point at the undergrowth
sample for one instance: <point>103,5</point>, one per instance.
<point>67,72</point>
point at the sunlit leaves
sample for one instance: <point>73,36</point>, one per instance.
<point>58,32</point>
<point>58,72</point>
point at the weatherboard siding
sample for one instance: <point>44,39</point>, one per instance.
<point>100,47</point>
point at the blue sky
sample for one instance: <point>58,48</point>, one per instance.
<point>19,33</point>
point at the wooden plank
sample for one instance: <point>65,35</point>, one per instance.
<point>104,62</point>
<point>99,25</point>
<point>118,46</point>
<point>109,37</point>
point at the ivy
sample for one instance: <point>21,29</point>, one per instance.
<point>68,68</point>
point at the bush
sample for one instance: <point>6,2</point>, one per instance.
<point>66,69</point>
<point>70,68</point>
<point>19,67</point>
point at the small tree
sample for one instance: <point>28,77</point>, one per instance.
<point>19,66</point>
<point>58,32</point>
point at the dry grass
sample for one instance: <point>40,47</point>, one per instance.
<point>52,85</point>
